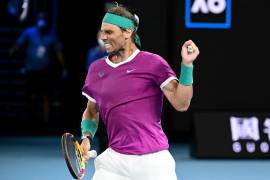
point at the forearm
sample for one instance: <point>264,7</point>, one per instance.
<point>184,90</point>
<point>90,115</point>
<point>178,95</point>
<point>90,120</point>
<point>89,127</point>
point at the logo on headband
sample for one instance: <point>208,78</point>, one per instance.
<point>209,14</point>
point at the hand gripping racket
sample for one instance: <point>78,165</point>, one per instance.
<point>73,154</point>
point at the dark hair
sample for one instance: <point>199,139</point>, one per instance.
<point>124,12</point>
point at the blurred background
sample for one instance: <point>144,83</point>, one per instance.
<point>229,114</point>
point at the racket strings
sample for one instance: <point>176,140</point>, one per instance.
<point>69,150</point>
<point>80,159</point>
<point>74,156</point>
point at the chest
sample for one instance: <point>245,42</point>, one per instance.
<point>36,39</point>
<point>126,82</point>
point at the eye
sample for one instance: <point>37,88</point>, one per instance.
<point>108,32</point>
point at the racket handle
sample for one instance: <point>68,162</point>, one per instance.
<point>92,154</point>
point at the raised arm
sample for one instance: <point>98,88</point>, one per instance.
<point>180,94</point>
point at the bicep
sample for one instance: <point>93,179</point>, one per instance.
<point>169,90</point>
<point>178,95</point>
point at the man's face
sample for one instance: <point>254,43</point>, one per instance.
<point>113,37</point>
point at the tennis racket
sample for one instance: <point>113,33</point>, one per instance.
<point>73,154</point>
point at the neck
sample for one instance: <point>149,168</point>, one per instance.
<point>122,54</point>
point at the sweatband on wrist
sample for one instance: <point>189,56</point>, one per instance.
<point>89,126</point>
<point>186,75</point>
<point>84,137</point>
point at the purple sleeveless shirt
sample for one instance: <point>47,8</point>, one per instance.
<point>129,96</point>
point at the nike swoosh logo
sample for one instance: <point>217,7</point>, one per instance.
<point>130,70</point>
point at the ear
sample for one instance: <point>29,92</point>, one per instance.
<point>127,33</point>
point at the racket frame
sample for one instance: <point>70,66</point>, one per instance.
<point>79,156</point>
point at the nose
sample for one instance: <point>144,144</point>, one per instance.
<point>103,36</point>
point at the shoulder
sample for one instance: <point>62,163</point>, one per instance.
<point>28,30</point>
<point>152,58</point>
<point>31,29</point>
<point>97,63</point>
<point>28,33</point>
<point>149,54</point>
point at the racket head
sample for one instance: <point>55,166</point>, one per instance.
<point>73,154</point>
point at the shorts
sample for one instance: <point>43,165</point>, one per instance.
<point>111,165</point>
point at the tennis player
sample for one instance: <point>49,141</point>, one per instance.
<point>127,89</point>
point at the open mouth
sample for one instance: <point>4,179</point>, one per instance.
<point>107,45</point>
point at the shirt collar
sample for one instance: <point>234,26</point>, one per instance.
<point>130,58</point>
